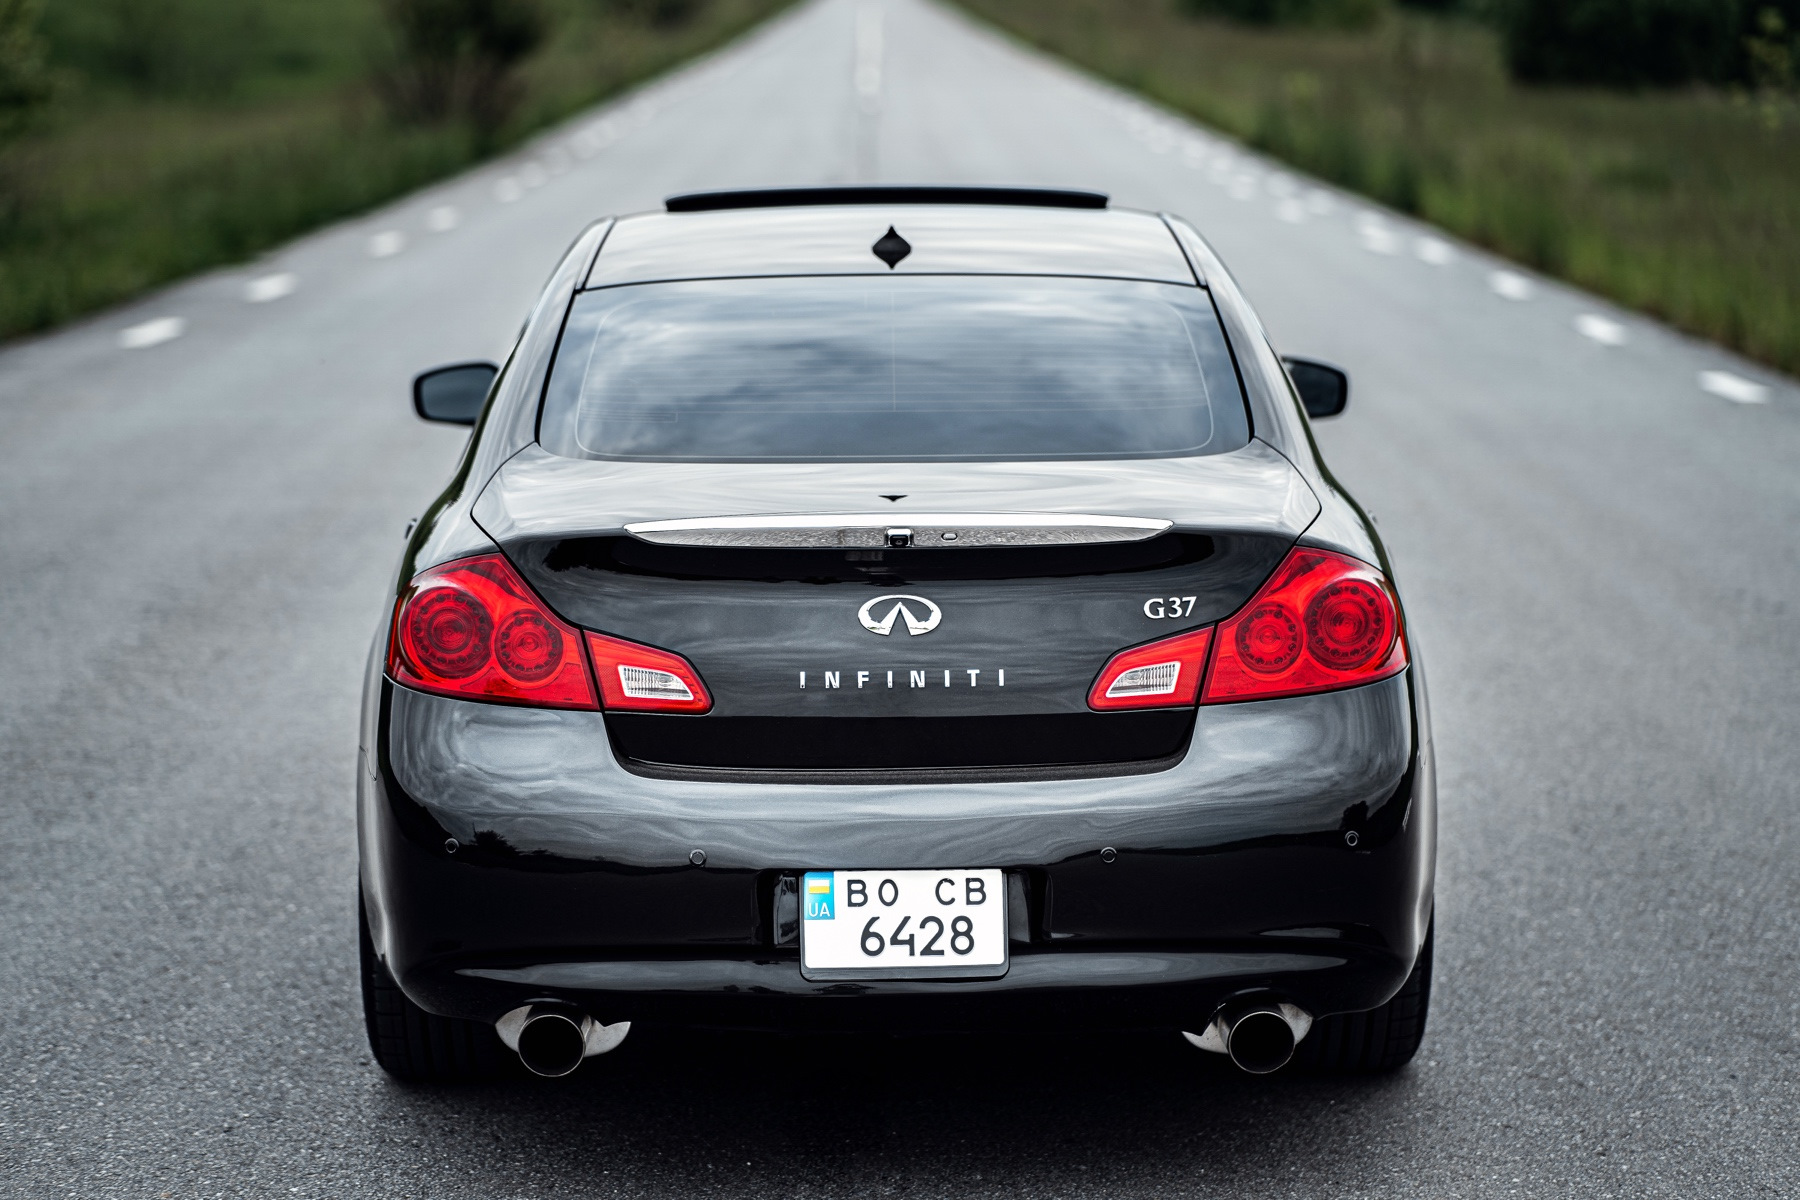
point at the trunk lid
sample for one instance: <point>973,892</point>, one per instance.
<point>825,648</point>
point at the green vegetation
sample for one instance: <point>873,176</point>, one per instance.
<point>1684,203</point>
<point>1345,14</point>
<point>23,82</point>
<point>1632,42</point>
<point>141,140</point>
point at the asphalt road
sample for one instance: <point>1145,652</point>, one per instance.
<point>203,495</point>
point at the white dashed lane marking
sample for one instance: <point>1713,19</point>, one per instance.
<point>1734,388</point>
<point>271,287</point>
<point>152,333</point>
<point>1604,330</point>
<point>442,219</point>
<point>387,243</point>
<point>868,58</point>
<point>508,190</point>
<point>1511,285</point>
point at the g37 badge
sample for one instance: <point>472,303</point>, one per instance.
<point>1167,608</point>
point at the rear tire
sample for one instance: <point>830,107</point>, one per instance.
<point>1375,1042</point>
<point>414,1045</point>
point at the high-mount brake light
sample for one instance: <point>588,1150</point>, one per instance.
<point>1163,674</point>
<point>641,678</point>
<point>1323,621</point>
<point>474,629</point>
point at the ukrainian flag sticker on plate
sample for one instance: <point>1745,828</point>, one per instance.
<point>817,890</point>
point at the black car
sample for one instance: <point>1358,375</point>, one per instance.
<point>893,608</point>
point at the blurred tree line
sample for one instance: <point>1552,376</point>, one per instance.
<point>1618,43</point>
<point>24,83</point>
<point>1674,186</point>
<point>141,140</point>
<point>430,60</point>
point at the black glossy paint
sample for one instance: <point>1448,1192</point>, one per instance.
<point>935,743</point>
<point>777,614</point>
<point>882,194</point>
<point>1324,389</point>
<point>571,874</point>
<point>578,869</point>
<point>454,394</point>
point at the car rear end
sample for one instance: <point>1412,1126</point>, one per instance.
<point>791,679</point>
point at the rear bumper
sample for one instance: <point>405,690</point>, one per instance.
<point>571,877</point>
<point>1043,989</point>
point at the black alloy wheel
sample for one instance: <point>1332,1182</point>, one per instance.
<point>1378,1041</point>
<point>414,1045</point>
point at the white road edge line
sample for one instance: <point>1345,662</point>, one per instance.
<point>1511,285</point>
<point>1376,235</point>
<point>1734,388</point>
<point>271,287</point>
<point>152,333</point>
<point>1435,251</point>
<point>1604,330</point>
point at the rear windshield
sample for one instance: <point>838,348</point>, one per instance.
<point>900,368</point>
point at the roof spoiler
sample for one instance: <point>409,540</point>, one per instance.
<point>884,194</point>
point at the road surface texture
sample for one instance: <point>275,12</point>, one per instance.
<point>1595,521</point>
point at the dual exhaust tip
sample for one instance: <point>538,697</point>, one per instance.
<point>552,1038</point>
<point>1258,1035</point>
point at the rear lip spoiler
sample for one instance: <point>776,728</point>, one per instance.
<point>929,530</point>
<point>1020,197</point>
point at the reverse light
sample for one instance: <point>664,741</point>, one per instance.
<point>473,628</point>
<point>1322,621</point>
<point>1162,674</point>
<point>642,678</point>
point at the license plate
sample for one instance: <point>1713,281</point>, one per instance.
<point>902,924</point>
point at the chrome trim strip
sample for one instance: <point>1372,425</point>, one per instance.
<point>871,530</point>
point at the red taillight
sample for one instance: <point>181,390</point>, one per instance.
<point>645,679</point>
<point>1164,674</point>
<point>1322,621</point>
<point>472,628</point>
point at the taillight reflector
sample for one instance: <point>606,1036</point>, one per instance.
<point>1162,674</point>
<point>1322,621</point>
<point>473,628</point>
<point>644,679</point>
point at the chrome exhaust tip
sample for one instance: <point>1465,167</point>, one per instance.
<point>552,1039</point>
<point>1258,1035</point>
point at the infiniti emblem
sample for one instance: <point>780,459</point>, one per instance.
<point>899,608</point>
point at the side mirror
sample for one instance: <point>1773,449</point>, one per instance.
<point>1323,388</point>
<point>455,394</point>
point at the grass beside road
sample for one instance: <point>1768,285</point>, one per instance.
<point>1685,204</point>
<point>123,187</point>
